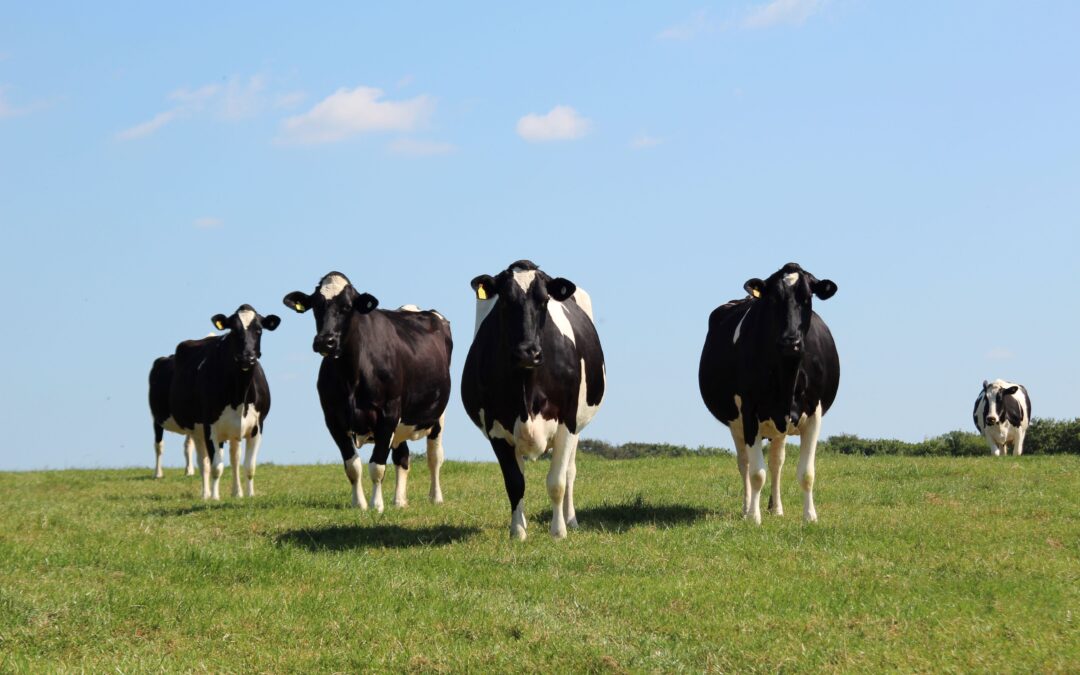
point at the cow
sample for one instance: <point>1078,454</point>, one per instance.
<point>769,369</point>
<point>220,394</point>
<point>161,374</point>
<point>1002,414</point>
<point>384,379</point>
<point>534,378</point>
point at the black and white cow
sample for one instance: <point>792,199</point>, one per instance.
<point>219,394</point>
<point>533,379</point>
<point>769,369</point>
<point>1002,414</point>
<point>384,379</point>
<point>161,374</point>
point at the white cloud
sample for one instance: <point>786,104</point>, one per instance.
<point>290,99</point>
<point>562,123</point>
<point>999,354</point>
<point>241,99</point>
<point>697,24</point>
<point>780,12</point>
<point>350,112</point>
<point>411,147</point>
<point>208,223</point>
<point>237,99</point>
<point>644,141</point>
<point>148,127</point>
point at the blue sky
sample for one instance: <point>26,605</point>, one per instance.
<point>160,165</point>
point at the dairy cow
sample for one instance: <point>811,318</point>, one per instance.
<point>1002,414</point>
<point>161,374</point>
<point>533,379</point>
<point>769,369</point>
<point>384,379</point>
<point>219,394</point>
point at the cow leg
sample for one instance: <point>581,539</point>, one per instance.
<point>189,450</point>
<point>377,463</point>
<point>568,503</point>
<point>514,478</point>
<point>353,464</point>
<point>741,458</point>
<point>251,452</point>
<point>434,463</point>
<point>807,449</point>
<point>205,458</point>
<point>1018,446</point>
<point>234,461</point>
<point>217,464</point>
<point>401,475</point>
<point>755,469</point>
<point>159,449</point>
<point>777,450</point>
<point>565,444</point>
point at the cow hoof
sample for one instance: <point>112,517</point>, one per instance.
<point>401,504</point>
<point>810,517</point>
<point>558,532</point>
<point>189,472</point>
<point>517,532</point>
<point>436,498</point>
<point>572,523</point>
<point>159,474</point>
<point>777,511</point>
<point>754,518</point>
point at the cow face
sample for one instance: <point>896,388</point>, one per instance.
<point>334,302</point>
<point>787,298</point>
<point>523,294</point>
<point>245,328</point>
<point>995,401</point>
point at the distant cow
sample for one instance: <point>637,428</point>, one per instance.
<point>533,379</point>
<point>384,379</point>
<point>769,369</point>
<point>161,374</point>
<point>219,393</point>
<point>1002,414</point>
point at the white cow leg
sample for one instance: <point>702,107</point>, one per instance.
<point>755,469</point>
<point>740,458</point>
<point>234,462</point>
<point>807,450</point>
<point>434,463</point>
<point>777,450</point>
<point>218,469</point>
<point>401,492</point>
<point>568,501</point>
<point>377,472</point>
<point>352,472</point>
<point>204,465</point>
<point>565,443</point>
<point>159,449</point>
<point>189,450</point>
<point>1018,446</point>
<point>518,522</point>
<point>251,453</point>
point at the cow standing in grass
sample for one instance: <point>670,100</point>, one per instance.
<point>161,374</point>
<point>384,379</point>
<point>1002,414</point>
<point>769,369</point>
<point>533,379</point>
<point>220,394</point>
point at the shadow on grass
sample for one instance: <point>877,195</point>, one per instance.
<point>617,517</point>
<point>349,537</point>
<point>250,503</point>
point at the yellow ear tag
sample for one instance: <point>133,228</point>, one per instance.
<point>756,293</point>
<point>299,307</point>
<point>481,294</point>
<point>220,326</point>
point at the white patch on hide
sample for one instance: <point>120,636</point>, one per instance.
<point>791,279</point>
<point>525,279</point>
<point>332,286</point>
<point>558,315</point>
<point>246,316</point>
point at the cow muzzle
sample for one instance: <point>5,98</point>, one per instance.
<point>991,420</point>
<point>246,362</point>
<point>530,356</point>
<point>327,346</point>
<point>791,345</point>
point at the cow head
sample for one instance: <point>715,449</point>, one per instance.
<point>245,327</point>
<point>334,302</point>
<point>787,296</point>
<point>995,393</point>
<point>523,292</point>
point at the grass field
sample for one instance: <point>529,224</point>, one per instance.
<point>924,564</point>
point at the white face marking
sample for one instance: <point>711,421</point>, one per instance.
<point>558,315</point>
<point>790,279</point>
<point>246,316</point>
<point>408,308</point>
<point>332,286</point>
<point>525,279</point>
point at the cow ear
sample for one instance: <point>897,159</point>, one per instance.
<point>219,321</point>
<point>483,286</point>
<point>297,301</point>
<point>1010,391</point>
<point>755,287</point>
<point>271,321</point>
<point>560,289</point>
<point>824,289</point>
<point>985,385</point>
<point>365,302</point>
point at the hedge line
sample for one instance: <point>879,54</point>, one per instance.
<point>1044,437</point>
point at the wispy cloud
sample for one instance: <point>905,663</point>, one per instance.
<point>8,109</point>
<point>779,12</point>
<point>208,223</point>
<point>237,99</point>
<point>698,24</point>
<point>561,123</point>
<point>290,100</point>
<point>410,147</point>
<point>645,141</point>
<point>351,112</point>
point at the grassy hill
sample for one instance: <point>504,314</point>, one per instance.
<point>930,564</point>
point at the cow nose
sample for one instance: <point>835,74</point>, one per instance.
<point>532,355</point>
<point>792,342</point>
<point>991,420</point>
<point>325,345</point>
